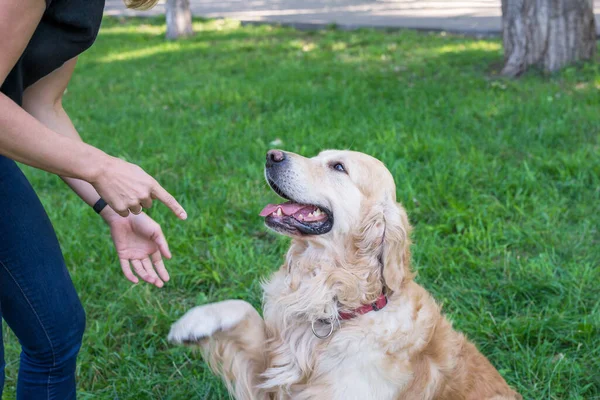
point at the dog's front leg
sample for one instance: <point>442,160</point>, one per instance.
<point>231,335</point>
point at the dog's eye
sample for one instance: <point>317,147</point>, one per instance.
<point>338,167</point>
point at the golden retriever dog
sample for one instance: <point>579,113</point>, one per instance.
<point>343,317</point>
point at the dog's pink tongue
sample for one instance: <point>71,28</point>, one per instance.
<point>268,210</point>
<point>286,208</point>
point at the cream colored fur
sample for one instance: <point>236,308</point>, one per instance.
<point>407,350</point>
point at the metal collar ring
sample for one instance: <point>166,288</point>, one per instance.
<point>322,336</point>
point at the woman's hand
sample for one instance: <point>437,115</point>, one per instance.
<point>127,188</point>
<point>140,242</point>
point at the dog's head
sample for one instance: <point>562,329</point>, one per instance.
<point>340,200</point>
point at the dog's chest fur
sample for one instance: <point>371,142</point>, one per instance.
<point>367,359</point>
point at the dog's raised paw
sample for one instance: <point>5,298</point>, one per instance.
<point>203,321</point>
<point>195,325</point>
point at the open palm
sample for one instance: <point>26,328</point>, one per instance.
<point>140,244</point>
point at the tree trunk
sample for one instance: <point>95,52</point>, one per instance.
<point>179,19</point>
<point>549,34</point>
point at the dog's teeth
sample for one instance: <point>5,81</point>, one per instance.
<point>301,217</point>
<point>317,212</point>
<point>310,215</point>
<point>277,212</point>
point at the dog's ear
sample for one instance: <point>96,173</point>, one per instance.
<point>395,252</point>
<point>384,239</point>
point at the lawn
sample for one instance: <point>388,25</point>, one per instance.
<point>501,180</point>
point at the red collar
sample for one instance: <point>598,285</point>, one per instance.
<point>376,306</point>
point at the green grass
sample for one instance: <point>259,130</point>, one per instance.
<point>501,180</point>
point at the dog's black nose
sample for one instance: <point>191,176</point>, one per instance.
<point>274,157</point>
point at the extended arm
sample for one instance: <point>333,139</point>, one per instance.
<point>138,239</point>
<point>23,138</point>
<point>42,135</point>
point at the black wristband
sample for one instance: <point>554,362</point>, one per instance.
<point>99,206</point>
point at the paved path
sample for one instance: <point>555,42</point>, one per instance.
<point>464,16</point>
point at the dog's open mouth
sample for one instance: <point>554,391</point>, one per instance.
<point>296,218</point>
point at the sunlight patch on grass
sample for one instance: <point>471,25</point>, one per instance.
<point>171,47</point>
<point>137,29</point>
<point>303,45</point>
<point>475,45</point>
<point>339,46</point>
<point>581,86</point>
<point>216,25</point>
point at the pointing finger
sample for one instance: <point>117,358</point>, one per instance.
<point>167,199</point>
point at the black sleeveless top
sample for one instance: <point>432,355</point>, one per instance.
<point>67,29</point>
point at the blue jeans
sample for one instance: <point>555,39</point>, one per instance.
<point>37,298</point>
